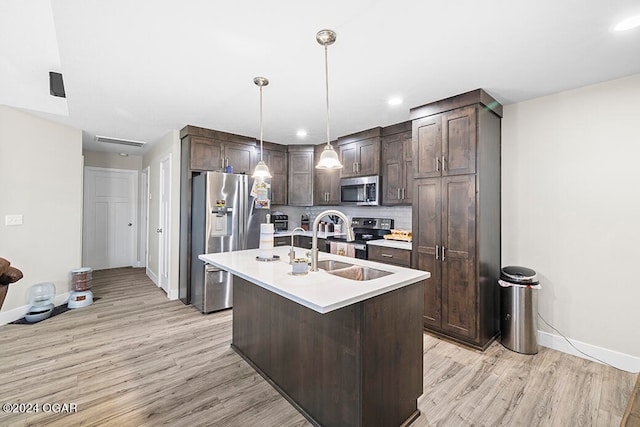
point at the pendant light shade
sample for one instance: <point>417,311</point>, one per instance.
<point>329,158</point>
<point>262,170</point>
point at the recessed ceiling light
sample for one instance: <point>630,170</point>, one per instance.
<point>628,24</point>
<point>301,133</point>
<point>124,154</point>
<point>394,101</point>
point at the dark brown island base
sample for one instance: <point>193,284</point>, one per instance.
<point>343,344</point>
<point>360,365</point>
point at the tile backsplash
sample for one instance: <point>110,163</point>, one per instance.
<point>400,214</point>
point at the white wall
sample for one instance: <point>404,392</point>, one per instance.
<point>571,208</point>
<point>101,159</point>
<point>41,179</point>
<point>169,144</point>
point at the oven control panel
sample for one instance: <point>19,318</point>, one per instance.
<point>373,223</point>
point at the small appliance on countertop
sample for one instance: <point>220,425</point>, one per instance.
<point>304,222</point>
<point>280,221</point>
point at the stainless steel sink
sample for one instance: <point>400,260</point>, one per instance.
<point>350,271</point>
<point>332,264</point>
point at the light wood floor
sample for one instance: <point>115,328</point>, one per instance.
<point>134,358</point>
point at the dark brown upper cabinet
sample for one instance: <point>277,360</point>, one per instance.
<point>275,156</point>
<point>213,150</point>
<point>396,161</point>
<point>301,174</point>
<point>360,153</point>
<point>445,144</point>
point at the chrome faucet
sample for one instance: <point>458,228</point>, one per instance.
<point>292,252</point>
<point>314,241</point>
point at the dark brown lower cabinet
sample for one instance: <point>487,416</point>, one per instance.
<point>459,301</point>
<point>360,365</point>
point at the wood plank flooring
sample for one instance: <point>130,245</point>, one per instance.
<point>134,358</point>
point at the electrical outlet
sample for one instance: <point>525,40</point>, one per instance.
<point>13,220</point>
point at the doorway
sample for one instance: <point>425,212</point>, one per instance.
<point>110,218</point>
<point>144,218</point>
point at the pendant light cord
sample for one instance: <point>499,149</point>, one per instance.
<point>326,74</point>
<point>260,123</point>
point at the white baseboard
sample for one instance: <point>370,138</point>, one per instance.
<point>173,294</point>
<point>153,277</point>
<point>622,361</point>
<point>19,312</point>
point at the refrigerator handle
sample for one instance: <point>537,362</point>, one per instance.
<point>243,215</point>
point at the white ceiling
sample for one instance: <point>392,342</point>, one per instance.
<point>137,69</point>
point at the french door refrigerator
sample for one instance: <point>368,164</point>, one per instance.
<point>223,219</point>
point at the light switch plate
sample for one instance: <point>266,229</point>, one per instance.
<point>13,220</point>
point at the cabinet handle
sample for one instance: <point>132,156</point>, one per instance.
<point>443,164</point>
<point>403,196</point>
<point>326,196</point>
<point>437,252</point>
<point>398,193</point>
<point>226,162</point>
<point>222,162</point>
<point>437,164</point>
<point>386,255</point>
<point>443,257</point>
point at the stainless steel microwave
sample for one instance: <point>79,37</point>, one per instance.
<point>361,191</point>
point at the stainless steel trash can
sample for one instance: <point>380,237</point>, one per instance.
<point>519,309</point>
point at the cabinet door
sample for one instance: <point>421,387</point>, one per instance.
<point>277,163</point>
<point>427,216</point>
<point>427,147</point>
<point>206,154</point>
<point>281,241</point>
<point>408,171</point>
<point>240,156</point>
<point>459,142</point>
<point>349,158</point>
<point>393,180</point>
<point>459,288</point>
<point>301,178</point>
<point>368,157</point>
<point>327,187</point>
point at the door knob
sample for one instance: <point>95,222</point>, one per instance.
<point>159,230</point>
<point>129,224</point>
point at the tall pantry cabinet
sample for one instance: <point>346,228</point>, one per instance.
<point>456,214</point>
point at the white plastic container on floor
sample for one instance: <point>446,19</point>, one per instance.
<point>78,299</point>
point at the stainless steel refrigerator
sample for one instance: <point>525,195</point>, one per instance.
<point>224,218</point>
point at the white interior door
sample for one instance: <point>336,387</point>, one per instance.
<point>109,225</point>
<point>163,230</point>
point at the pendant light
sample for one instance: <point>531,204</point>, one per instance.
<point>329,157</point>
<point>262,170</point>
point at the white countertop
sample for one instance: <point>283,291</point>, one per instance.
<point>398,244</point>
<point>319,291</point>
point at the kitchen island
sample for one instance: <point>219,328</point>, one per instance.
<point>342,351</point>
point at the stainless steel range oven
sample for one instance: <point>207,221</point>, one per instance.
<point>365,229</point>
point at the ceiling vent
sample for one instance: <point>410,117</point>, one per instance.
<point>128,142</point>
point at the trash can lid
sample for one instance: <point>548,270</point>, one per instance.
<point>520,275</point>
